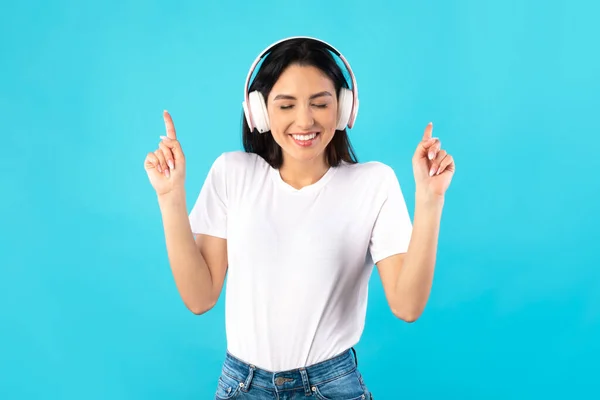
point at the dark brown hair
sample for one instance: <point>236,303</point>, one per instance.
<point>306,52</point>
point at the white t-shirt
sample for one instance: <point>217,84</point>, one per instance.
<point>299,260</point>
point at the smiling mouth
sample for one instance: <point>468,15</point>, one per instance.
<point>304,139</point>
<point>304,136</point>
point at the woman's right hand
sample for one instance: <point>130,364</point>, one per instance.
<point>166,165</point>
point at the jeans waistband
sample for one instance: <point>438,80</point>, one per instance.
<point>295,379</point>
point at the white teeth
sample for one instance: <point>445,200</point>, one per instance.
<point>305,137</point>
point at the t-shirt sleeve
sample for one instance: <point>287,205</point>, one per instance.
<point>393,227</point>
<point>209,214</point>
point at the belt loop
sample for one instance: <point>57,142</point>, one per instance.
<point>355,357</point>
<point>248,380</point>
<point>305,382</point>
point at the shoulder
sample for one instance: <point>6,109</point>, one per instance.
<point>232,162</point>
<point>370,167</point>
<point>373,177</point>
<point>373,171</point>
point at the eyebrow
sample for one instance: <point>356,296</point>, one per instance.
<point>288,97</point>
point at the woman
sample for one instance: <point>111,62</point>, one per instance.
<point>297,224</point>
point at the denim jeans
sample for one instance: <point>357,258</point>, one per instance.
<point>335,379</point>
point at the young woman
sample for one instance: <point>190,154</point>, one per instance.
<point>297,224</point>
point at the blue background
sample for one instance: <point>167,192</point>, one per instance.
<point>88,306</point>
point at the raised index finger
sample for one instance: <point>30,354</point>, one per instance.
<point>169,125</point>
<point>428,131</point>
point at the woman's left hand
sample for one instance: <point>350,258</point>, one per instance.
<point>433,167</point>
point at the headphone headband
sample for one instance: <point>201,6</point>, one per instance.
<point>330,47</point>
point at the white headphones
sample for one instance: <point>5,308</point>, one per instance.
<point>255,108</point>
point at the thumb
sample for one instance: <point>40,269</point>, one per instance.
<point>175,146</point>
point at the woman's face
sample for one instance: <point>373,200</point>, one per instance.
<point>302,108</point>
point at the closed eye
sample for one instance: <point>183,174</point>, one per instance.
<point>315,105</point>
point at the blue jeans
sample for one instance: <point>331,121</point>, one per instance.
<point>335,379</point>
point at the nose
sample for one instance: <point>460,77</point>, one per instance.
<point>304,118</point>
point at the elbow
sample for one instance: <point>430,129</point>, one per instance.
<point>200,308</point>
<point>409,316</point>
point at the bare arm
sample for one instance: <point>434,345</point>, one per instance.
<point>407,278</point>
<point>199,265</point>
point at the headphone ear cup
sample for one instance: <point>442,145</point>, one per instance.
<point>344,108</point>
<point>258,108</point>
<point>353,117</point>
<point>247,115</point>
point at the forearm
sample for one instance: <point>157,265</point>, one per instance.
<point>415,279</point>
<point>190,271</point>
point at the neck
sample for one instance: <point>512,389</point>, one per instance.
<point>299,174</point>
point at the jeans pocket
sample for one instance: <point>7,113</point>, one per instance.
<point>227,387</point>
<point>345,387</point>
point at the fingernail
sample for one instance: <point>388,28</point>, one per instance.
<point>431,155</point>
<point>159,168</point>
<point>167,173</point>
<point>170,162</point>
<point>163,137</point>
<point>432,171</point>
